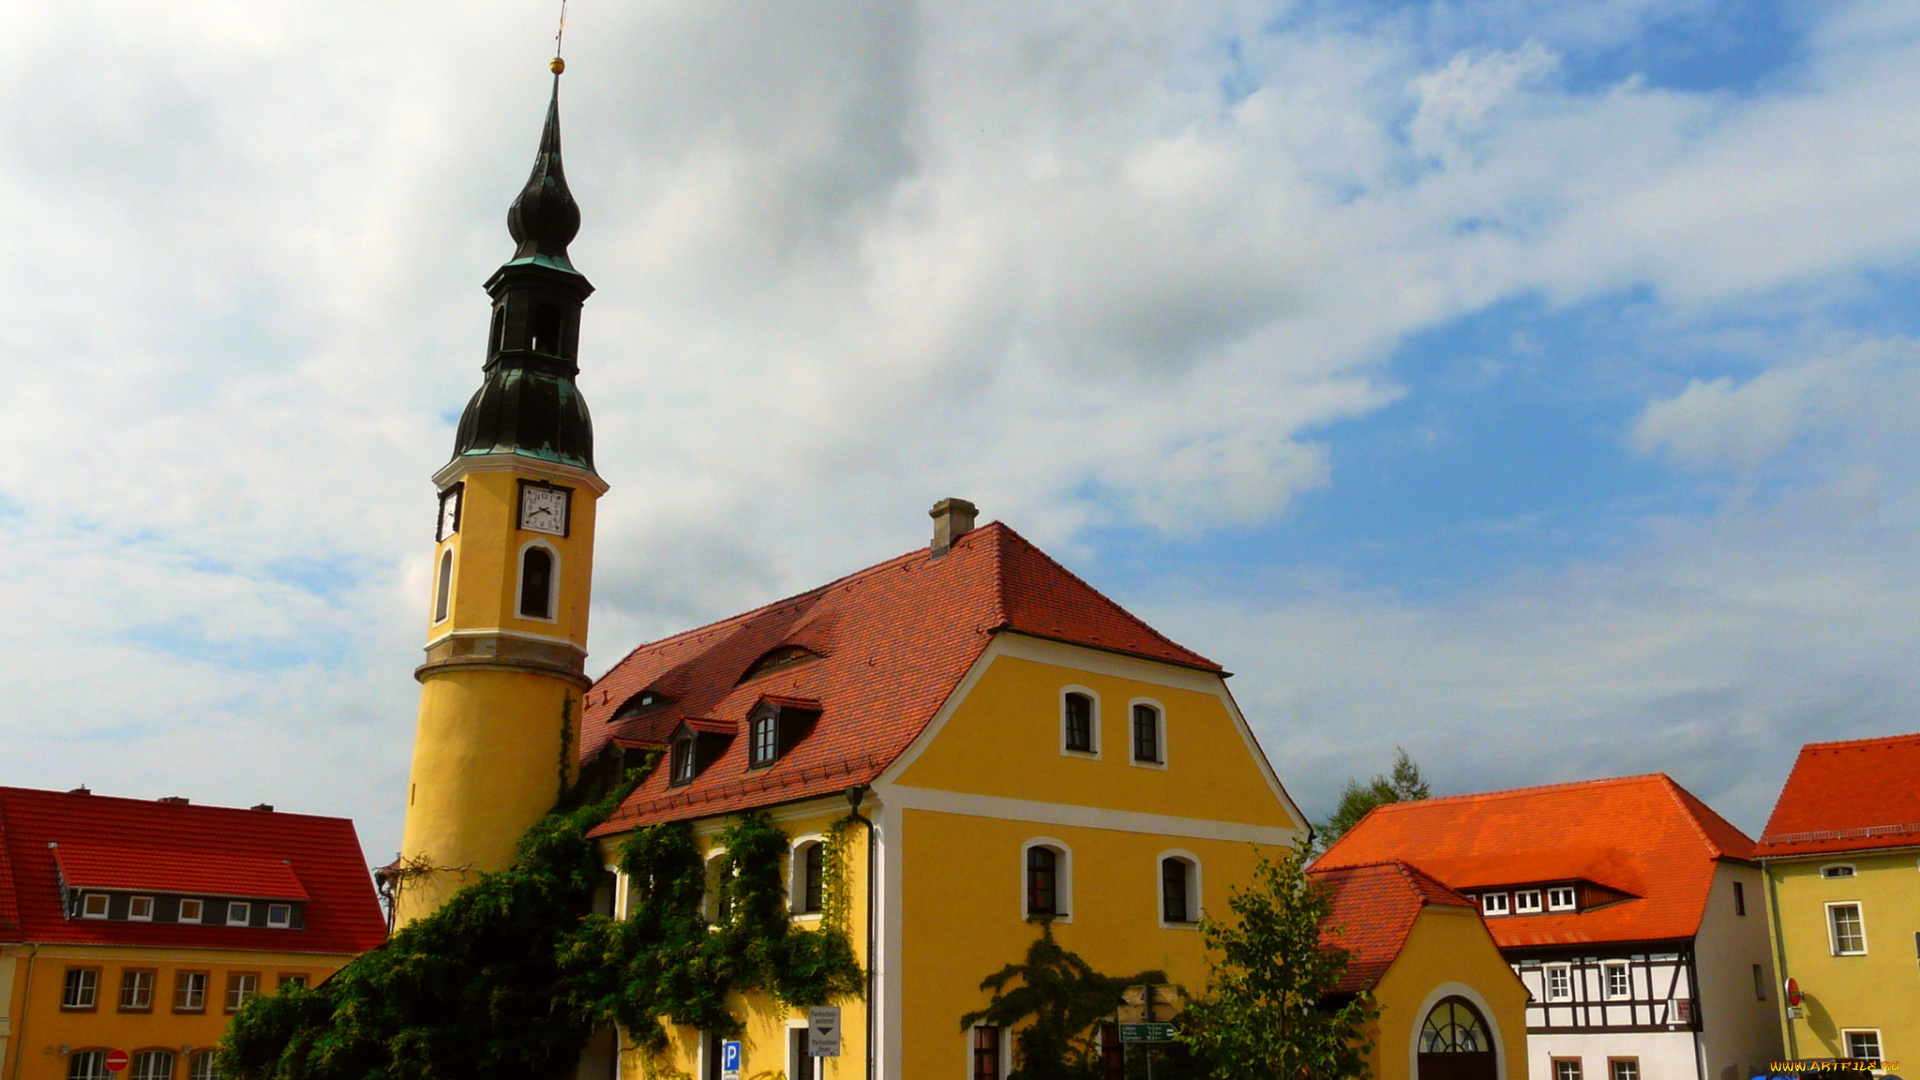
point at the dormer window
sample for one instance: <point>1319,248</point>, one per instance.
<point>784,656</point>
<point>239,913</point>
<point>1493,903</point>
<point>190,911</point>
<point>94,906</point>
<point>777,726</point>
<point>1526,901</point>
<point>644,702</point>
<point>140,909</point>
<point>1560,898</point>
<point>280,916</point>
<point>681,770</point>
<point>765,744</point>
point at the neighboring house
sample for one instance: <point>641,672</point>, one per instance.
<point>139,927</point>
<point>1842,860</point>
<point>1024,748</point>
<point>1629,908</point>
<point>1450,1007</point>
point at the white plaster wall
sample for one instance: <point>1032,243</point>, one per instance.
<point>1663,1055</point>
<point>1738,1031</point>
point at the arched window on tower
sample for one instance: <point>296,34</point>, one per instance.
<point>498,335</point>
<point>546,329</point>
<point>443,588</point>
<point>536,583</point>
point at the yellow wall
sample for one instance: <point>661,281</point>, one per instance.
<point>41,1027</point>
<point>1446,946</point>
<point>1878,990</point>
<point>486,561</point>
<point>1004,740</point>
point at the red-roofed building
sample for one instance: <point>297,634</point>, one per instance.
<point>1450,1007</point>
<point>1840,853</point>
<point>1629,908</point>
<point>139,926</point>
<point>1023,747</point>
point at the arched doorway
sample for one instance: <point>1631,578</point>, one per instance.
<point>1455,1044</point>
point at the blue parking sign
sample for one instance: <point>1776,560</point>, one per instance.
<point>730,1057</point>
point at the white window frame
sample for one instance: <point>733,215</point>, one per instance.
<point>86,905</point>
<point>553,582</point>
<point>1546,982</point>
<point>1093,721</point>
<point>1494,903</point>
<point>88,1065</point>
<point>1062,877</point>
<point>88,988</point>
<point>786,1047</point>
<point>237,992</point>
<point>443,587</point>
<point>1159,733</point>
<point>1607,968</point>
<point>131,986</point>
<point>246,912</point>
<point>284,913</point>
<point>134,905</point>
<point>147,1058</point>
<point>1520,904</point>
<point>199,911</point>
<point>797,877</point>
<point>1836,872</point>
<point>1572,895</point>
<point>1846,1044</point>
<point>1833,929</point>
<point>1005,1052</point>
<point>200,1066</point>
<point>1195,908</point>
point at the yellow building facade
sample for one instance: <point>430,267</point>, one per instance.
<point>1842,860</point>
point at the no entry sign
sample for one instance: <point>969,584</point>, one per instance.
<point>116,1060</point>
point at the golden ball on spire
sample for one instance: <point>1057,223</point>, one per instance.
<point>558,65</point>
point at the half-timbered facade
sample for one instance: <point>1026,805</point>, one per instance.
<point>1630,910</point>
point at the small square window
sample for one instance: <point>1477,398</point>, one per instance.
<point>136,991</point>
<point>190,992</point>
<point>1863,1044</point>
<point>190,911</point>
<point>1560,899</point>
<point>1618,982</point>
<point>1566,1069</point>
<point>93,906</point>
<point>1842,871</point>
<point>1559,982</point>
<point>239,913</point>
<point>82,988</point>
<point>1493,903</point>
<point>140,909</point>
<point>1848,929</point>
<point>1623,1069</point>
<point>241,985</point>
<point>1526,901</point>
<point>297,981</point>
<point>280,915</point>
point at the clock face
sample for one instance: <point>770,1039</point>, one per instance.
<point>449,513</point>
<point>544,509</point>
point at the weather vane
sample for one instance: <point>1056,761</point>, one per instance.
<point>558,64</point>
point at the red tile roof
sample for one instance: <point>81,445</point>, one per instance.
<point>1644,836</point>
<point>892,642</point>
<point>1848,796</point>
<point>1373,909</point>
<point>213,873</point>
<point>136,844</point>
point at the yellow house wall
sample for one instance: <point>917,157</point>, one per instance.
<point>1447,948</point>
<point>1878,990</point>
<point>486,561</point>
<point>41,1028</point>
<point>764,1042</point>
<point>487,759</point>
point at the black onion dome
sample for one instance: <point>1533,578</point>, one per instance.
<point>545,219</point>
<point>523,410</point>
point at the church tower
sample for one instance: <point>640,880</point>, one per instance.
<point>501,687</point>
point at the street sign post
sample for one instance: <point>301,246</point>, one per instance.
<point>1146,1033</point>
<point>823,1031</point>
<point>730,1059</point>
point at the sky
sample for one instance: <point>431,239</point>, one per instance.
<point>1529,384</point>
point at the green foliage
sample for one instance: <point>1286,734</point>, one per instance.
<point>1269,1010</point>
<point>1403,784</point>
<point>511,975</point>
<point>1060,998</point>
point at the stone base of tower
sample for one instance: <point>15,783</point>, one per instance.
<point>493,751</point>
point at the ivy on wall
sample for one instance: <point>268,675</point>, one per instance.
<point>1054,1008</point>
<point>512,975</point>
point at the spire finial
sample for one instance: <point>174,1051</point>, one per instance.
<point>545,219</point>
<point>558,64</point>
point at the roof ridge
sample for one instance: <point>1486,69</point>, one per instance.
<point>187,806</point>
<point>1891,739</point>
<point>1691,805</point>
<point>1014,534</point>
<point>1510,792</point>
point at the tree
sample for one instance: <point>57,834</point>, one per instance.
<point>1403,784</point>
<point>1064,998</point>
<point>1271,1010</point>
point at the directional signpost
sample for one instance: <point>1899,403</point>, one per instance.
<point>1146,1033</point>
<point>823,1031</point>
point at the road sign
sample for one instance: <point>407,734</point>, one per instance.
<point>1146,1033</point>
<point>823,1031</point>
<point>116,1060</point>
<point>730,1059</point>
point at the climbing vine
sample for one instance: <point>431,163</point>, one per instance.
<point>1058,1000</point>
<point>512,974</point>
<point>836,899</point>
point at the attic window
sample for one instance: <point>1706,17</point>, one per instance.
<point>1839,871</point>
<point>93,906</point>
<point>680,770</point>
<point>644,702</point>
<point>1560,899</point>
<point>784,656</point>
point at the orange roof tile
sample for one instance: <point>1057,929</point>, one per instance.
<point>1848,796</point>
<point>1644,836</point>
<point>1373,907</point>
<point>892,641</point>
<point>135,844</point>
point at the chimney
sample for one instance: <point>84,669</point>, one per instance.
<point>952,519</point>
<point>174,800</point>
